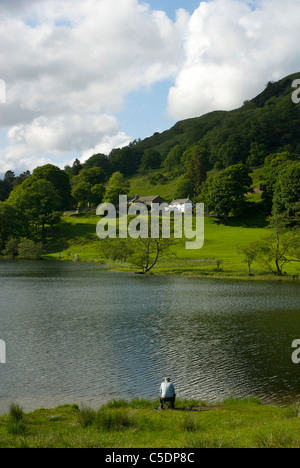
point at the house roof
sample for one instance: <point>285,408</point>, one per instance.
<point>149,199</point>
<point>181,201</point>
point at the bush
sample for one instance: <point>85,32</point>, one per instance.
<point>11,247</point>
<point>29,250</point>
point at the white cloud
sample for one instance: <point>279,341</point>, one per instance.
<point>69,65</point>
<point>232,49</point>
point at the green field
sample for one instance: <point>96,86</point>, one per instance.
<point>76,236</point>
<point>140,424</point>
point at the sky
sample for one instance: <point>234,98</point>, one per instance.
<point>79,77</point>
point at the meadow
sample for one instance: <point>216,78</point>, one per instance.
<point>75,239</point>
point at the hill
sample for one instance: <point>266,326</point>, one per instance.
<point>270,120</point>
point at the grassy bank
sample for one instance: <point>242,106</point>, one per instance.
<point>76,236</point>
<point>138,424</point>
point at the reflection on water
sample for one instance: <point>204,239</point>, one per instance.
<point>75,333</point>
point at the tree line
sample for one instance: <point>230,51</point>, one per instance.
<point>30,204</point>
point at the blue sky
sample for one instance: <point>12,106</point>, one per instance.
<point>87,76</point>
<point>170,6</point>
<point>146,110</point>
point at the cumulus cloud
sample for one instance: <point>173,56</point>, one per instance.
<point>69,65</point>
<point>232,49</point>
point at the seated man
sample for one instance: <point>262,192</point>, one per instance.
<point>167,393</point>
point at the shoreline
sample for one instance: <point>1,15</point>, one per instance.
<point>232,423</point>
<point>184,274</point>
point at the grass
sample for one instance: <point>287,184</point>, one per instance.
<point>139,424</point>
<point>76,235</point>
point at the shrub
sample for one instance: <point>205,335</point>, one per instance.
<point>29,250</point>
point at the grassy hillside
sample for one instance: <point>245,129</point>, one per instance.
<point>270,119</point>
<point>120,424</point>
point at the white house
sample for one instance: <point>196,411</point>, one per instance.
<point>182,205</point>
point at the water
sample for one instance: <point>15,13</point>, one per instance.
<point>77,334</point>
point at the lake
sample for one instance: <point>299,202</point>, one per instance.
<point>76,333</point>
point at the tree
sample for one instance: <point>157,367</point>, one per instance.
<point>74,170</point>
<point>29,250</point>
<point>9,178</point>
<point>287,191</point>
<point>173,160</point>
<point>99,160</point>
<point>148,251</point>
<point>151,159</point>
<point>92,176</point>
<point>118,185</point>
<point>224,194</point>
<point>38,200</point>
<point>184,189</point>
<point>250,253</point>
<point>197,170</point>
<point>125,160</point>
<point>257,154</point>
<point>11,222</point>
<point>82,193</point>
<point>59,180</point>
<point>11,247</point>
<point>274,164</point>
<point>97,194</point>
<point>4,191</point>
<point>280,247</point>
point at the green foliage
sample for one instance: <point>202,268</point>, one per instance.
<point>29,250</point>
<point>11,222</point>
<point>197,170</point>
<point>151,159</point>
<point>274,164</point>
<point>173,160</point>
<point>266,125</point>
<point>250,254</point>
<point>99,160</point>
<point>125,160</point>
<point>38,200</point>
<point>11,247</point>
<point>82,193</point>
<point>4,190</point>
<point>87,186</point>
<point>116,249</point>
<point>286,197</point>
<point>225,192</point>
<point>118,185</point>
<point>277,249</point>
<point>91,176</point>
<point>257,154</point>
<point>184,189</point>
<point>59,181</point>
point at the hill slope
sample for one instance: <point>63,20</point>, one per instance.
<point>270,120</point>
